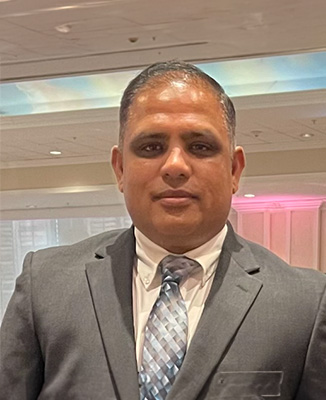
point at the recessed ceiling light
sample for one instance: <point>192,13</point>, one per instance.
<point>307,135</point>
<point>249,195</point>
<point>55,153</point>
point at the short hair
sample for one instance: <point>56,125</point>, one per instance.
<point>173,69</point>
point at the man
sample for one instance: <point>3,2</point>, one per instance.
<point>252,327</point>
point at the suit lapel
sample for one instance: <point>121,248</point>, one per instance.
<point>110,282</point>
<point>232,294</point>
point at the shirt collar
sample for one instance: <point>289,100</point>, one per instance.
<point>150,254</point>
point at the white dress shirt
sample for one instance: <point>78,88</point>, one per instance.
<point>147,282</point>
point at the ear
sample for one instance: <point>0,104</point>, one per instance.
<point>238,164</point>
<point>116,162</point>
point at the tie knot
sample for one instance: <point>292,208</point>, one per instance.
<point>177,268</point>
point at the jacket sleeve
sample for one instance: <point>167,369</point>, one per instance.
<point>21,363</point>
<point>313,382</point>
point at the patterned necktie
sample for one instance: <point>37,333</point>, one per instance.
<point>166,331</point>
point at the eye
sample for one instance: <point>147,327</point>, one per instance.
<point>151,147</point>
<point>150,150</point>
<point>202,149</point>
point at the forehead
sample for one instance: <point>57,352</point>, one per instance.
<point>175,95</point>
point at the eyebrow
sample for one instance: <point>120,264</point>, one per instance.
<point>198,134</point>
<point>186,135</point>
<point>149,135</point>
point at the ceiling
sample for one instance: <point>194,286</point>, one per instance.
<point>264,123</point>
<point>41,38</point>
<point>57,38</point>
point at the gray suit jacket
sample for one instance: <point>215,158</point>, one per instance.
<point>68,329</point>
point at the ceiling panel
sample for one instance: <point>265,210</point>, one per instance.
<point>225,28</point>
<point>126,40</point>
<point>247,140</point>
<point>269,136</point>
<point>90,134</point>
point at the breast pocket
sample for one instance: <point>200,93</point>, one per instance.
<point>247,385</point>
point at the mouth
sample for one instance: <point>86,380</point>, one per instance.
<point>175,197</point>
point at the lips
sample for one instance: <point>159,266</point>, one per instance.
<point>175,197</point>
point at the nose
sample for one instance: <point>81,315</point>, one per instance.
<point>176,169</point>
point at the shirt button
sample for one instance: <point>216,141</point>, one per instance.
<point>146,280</point>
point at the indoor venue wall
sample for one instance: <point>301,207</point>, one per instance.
<point>295,231</point>
<point>18,237</point>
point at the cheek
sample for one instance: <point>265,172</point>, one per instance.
<point>217,191</point>
<point>135,182</point>
<point>139,169</point>
<point>141,176</point>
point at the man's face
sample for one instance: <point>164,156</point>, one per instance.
<point>176,169</point>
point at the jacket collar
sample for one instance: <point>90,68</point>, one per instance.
<point>110,284</point>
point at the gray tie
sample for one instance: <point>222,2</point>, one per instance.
<point>166,331</point>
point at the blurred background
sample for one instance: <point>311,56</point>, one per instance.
<point>63,67</point>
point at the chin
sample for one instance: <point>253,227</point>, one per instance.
<point>176,227</point>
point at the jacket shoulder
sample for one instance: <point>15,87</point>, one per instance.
<point>77,253</point>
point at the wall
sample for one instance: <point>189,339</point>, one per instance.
<point>294,230</point>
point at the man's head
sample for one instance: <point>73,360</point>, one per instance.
<point>167,71</point>
<point>176,162</point>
